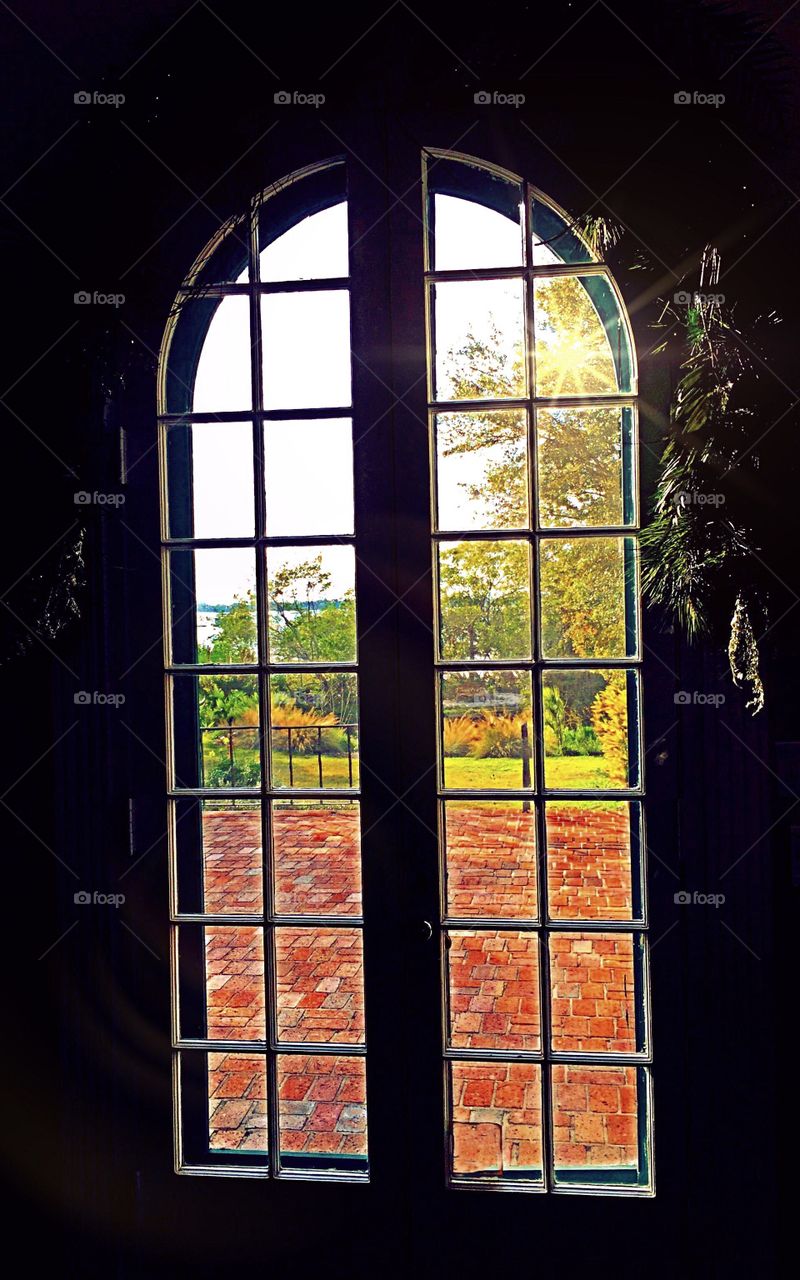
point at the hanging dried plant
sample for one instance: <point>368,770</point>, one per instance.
<point>698,552</point>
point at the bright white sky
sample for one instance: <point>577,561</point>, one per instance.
<point>306,344</point>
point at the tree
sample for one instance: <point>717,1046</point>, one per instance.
<point>304,626</point>
<point>485,612</point>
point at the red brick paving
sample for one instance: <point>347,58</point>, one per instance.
<point>588,863</point>
<point>493,980</point>
<point>595,1114</point>
<point>237,1107</point>
<point>592,977</point>
<point>491,861</point>
<point>494,990</point>
<point>235,982</point>
<point>320,985</point>
<point>497,1117</point>
<point>322,1105</point>
<point>317,861</point>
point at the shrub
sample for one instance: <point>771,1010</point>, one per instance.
<point>498,737</point>
<point>306,737</point>
<point>555,719</point>
<point>582,741</point>
<point>245,773</point>
<point>459,735</point>
<point>610,720</point>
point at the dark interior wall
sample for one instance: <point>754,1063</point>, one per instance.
<point>119,200</point>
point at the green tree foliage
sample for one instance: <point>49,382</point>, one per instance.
<point>484,588</point>
<point>484,593</point>
<point>304,626</point>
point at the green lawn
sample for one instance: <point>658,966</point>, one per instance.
<point>461,772</point>
<point>567,772</point>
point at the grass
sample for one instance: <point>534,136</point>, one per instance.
<point>563,772</point>
<point>461,772</point>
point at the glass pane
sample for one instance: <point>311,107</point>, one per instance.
<point>218,856</point>
<point>305,341</point>
<point>222,1110</point>
<point>554,239</point>
<point>221,982</point>
<point>323,1112</point>
<point>591,849</point>
<point>482,469</point>
<point>487,730</point>
<point>314,739</point>
<point>585,472</point>
<point>480,340</point>
<point>304,500</point>
<point>468,236</point>
<point>474,216</point>
<point>590,730</point>
<point>312,604</point>
<point>600,1125</point>
<point>317,857</point>
<point>581,341</point>
<point>320,983</point>
<point>484,599</point>
<point>213,597</point>
<point>497,1120</point>
<point>223,379</point>
<point>596,988</point>
<point>216,733</point>
<point>493,990</point>
<point>237,1102</point>
<point>587,590</point>
<point>210,480</point>
<point>314,248</point>
<point>490,858</point>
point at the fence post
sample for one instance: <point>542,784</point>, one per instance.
<point>319,753</point>
<point>291,771</point>
<point>349,759</point>
<point>526,764</point>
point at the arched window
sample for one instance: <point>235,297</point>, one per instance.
<point>534,672</point>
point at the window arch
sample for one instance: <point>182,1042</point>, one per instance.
<point>531,376</point>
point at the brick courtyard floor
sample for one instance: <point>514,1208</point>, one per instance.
<point>493,980</point>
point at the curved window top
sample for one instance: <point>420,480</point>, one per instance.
<point>488,233</point>
<point>294,233</point>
